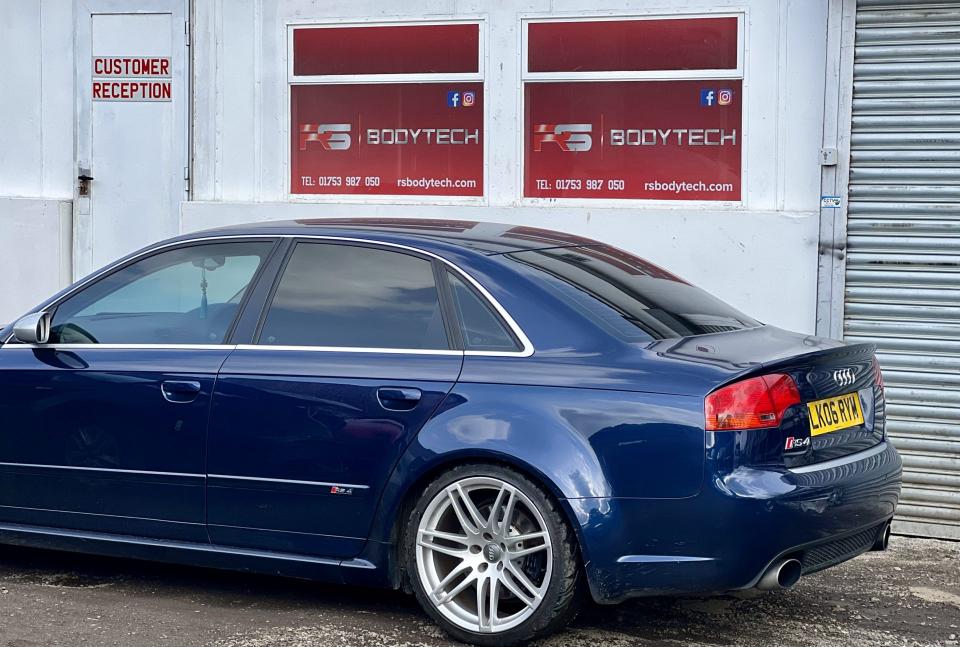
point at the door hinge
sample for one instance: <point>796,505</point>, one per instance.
<point>186,32</point>
<point>186,179</point>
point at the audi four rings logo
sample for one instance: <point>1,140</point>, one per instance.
<point>569,137</point>
<point>332,137</point>
<point>844,377</point>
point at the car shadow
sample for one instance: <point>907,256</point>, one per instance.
<point>242,604</point>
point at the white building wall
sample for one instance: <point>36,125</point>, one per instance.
<point>36,102</point>
<point>36,151</point>
<point>34,252</point>
<point>760,255</point>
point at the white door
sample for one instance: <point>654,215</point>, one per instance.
<point>131,126</point>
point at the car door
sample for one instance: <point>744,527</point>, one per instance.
<point>351,357</point>
<point>104,428</point>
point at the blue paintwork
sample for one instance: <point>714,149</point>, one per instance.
<point>103,409</point>
<point>311,416</point>
<point>613,430</point>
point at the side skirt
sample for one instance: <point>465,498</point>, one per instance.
<point>353,571</point>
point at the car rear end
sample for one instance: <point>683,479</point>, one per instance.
<point>796,467</point>
<point>798,477</point>
<point>799,463</point>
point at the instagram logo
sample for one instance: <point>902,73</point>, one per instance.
<point>469,98</point>
<point>724,97</point>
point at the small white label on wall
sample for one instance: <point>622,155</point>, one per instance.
<point>830,202</point>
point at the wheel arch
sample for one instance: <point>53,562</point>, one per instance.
<point>529,429</point>
<point>407,498</point>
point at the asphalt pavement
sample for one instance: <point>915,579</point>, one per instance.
<point>909,595</point>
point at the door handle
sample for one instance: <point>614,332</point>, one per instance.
<point>180,391</point>
<point>398,398</point>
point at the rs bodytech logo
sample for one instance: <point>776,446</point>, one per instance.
<point>337,137</point>
<point>577,138</point>
<point>332,137</point>
<point>574,138</point>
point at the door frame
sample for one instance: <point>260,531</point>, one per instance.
<point>835,173</point>
<point>82,263</point>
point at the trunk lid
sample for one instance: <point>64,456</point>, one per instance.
<point>823,369</point>
<point>833,384</point>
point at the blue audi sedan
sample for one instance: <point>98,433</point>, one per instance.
<point>503,421</point>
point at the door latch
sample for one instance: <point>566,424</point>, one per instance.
<point>83,188</point>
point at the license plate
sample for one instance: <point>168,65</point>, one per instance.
<point>832,414</point>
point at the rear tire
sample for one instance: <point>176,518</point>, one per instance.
<point>490,557</point>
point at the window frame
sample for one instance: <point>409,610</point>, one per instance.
<point>292,80</point>
<point>94,279</point>
<point>270,274</point>
<point>444,281</point>
<point>454,347</point>
<point>525,77</point>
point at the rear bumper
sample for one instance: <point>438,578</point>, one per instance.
<point>725,537</point>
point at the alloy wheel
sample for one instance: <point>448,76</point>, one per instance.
<point>484,555</point>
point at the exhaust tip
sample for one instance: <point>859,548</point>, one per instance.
<point>883,539</point>
<point>782,575</point>
<point>789,573</point>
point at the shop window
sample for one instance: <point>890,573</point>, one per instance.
<point>619,108</point>
<point>387,110</point>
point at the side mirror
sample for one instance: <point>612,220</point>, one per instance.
<point>33,329</point>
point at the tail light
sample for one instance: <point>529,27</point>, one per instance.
<point>754,403</point>
<point>877,375</point>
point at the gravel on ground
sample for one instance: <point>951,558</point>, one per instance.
<point>906,596</point>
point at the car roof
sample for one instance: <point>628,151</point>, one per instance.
<point>487,238</point>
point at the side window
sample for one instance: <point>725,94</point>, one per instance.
<point>355,297</point>
<point>188,295</point>
<point>481,327</point>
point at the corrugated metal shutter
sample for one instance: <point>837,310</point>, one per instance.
<point>903,234</point>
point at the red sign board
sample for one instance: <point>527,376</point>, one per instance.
<point>661,140</point>
<point>387,139</point>
<point>405,49</point>
<point>633,45</point>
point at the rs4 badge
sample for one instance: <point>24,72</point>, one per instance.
<point>796,443</point>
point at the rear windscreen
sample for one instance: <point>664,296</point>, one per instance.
<point>631,298</point>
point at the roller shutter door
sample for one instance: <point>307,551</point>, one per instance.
<point>903,235</point>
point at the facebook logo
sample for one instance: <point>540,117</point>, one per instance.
<point>710,98</point>
<point>453,99</point>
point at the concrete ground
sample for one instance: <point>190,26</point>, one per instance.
<point>909,595</point>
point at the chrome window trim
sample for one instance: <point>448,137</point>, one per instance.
<point>227,347</point>
<point>293,481</point>
<point>353,349</point>
<point>526,351</point>
<point>496,353</point>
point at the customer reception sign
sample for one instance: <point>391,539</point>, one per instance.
<point>131,78</point>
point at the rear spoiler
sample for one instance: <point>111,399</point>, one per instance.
<point>846,354</point>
